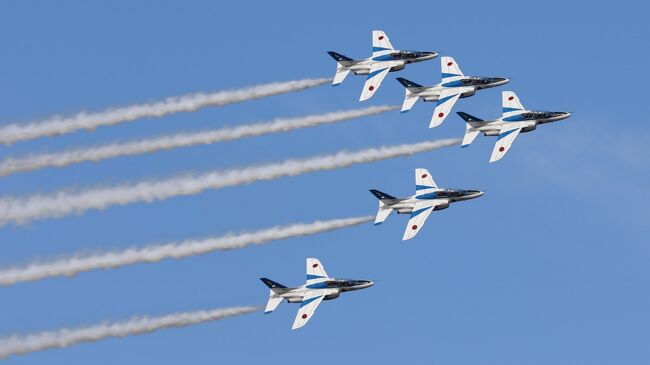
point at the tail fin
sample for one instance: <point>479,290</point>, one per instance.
<point>384,210</point>
<point>451,73</point>
<point>315,273</point>
<point>408,83</point>
<point>410,97</point>
<point>341,69</point>
<point>470,119</point>
<point>381,196</point>
<point>274,298</point>
<point>380,43</point>
<point>339,57</point>
<point>511,104</point>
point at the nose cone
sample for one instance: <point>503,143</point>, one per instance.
<point>500,81</point>
<point>427,55</point>
<point>475,194</point>
<point>565,115</point>
<point>365,284</point>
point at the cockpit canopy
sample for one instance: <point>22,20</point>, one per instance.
<point>455,193</point>
<point>343,283</point>
<point>540,114</point>
<point>406,55</point>
<point>478,80</point>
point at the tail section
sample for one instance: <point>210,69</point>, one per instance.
<point>511,105</point>
<point>410,97</point>
<point>451,73</point>
<point>380,43</point>
<point>339,57</point>
<point>341,67</point>
<point>384,209</point>
<point>470,119</point>
<point>274,298</point>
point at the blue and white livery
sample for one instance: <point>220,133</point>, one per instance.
<point>428,197</point>
<point>454,85</point>
<point>515,119</point>
<point>317,288</point>
<point>384,59</point>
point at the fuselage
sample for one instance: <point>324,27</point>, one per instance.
<point>528,120</point>
<point>401,58</point>
<point>467,86</point>
<point>332,287</point>
<point>443,196</point>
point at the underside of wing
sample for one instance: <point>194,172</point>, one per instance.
<point>419,215</point>
<point>378,72</point>
<point>446,101</point>
<point>507,135</point>
<point>309,304</point>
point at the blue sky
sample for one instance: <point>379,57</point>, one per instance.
<point>549,266</point>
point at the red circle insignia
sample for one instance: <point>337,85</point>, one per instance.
<point>501,149</point>
<point>314,266</point>
<point>381,37</point>
<point>371,88</point>
<point>414,227</point>
<point>304,316</point>
<point>510,98</point>
<point>440,115</point>
<point>449,63</point>
<point>424,176</point>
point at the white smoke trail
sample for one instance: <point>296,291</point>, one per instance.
<point>77,263</point>
<point>62,203</point>
<point>98,153</point>
<point>65,337</point>
<point>186,103</point>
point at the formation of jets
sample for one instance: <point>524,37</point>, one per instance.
<point>428,196</point>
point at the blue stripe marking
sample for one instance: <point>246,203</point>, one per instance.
<point>427,196</point>
<point>446,98</point>
<point>379,49</point>
<point>317,286</point>
<point>374,73</point>
<point>514,118</point>
<point>305,302</point>
<point>507,110</point>
<point>446,75</point>
<point>456,83</point>
<point>422,187</point>
<point>418,212</point>
<point>503,135</point>
<point>311,277</point>
<point>385,57</point>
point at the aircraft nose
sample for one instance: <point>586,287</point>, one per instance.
<point>478,194</point>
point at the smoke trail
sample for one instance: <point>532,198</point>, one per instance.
<point>65,337</point>
<point>65,158</point>
<point>62,203</point>
<point>74,264</point>
<point>187,103</point>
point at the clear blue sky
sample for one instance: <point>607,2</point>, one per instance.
<point>549,267</point>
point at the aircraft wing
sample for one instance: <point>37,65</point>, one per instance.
<point>378,72</point>
<point>507,135</point>
<point>309,304</point>
<point>446,101</point>
<point>421,212</point>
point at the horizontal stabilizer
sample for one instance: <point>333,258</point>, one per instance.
<point>273,302</point>
<point>470,119</point>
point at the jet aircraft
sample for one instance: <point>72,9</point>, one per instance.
<point>515,120</point>
<point>454,85</point>
<point>384,59</point>
<point>428,197</point>
<point>318,287</point>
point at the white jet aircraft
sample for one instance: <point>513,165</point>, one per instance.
<point>454,85</point>
<point>428,197</point>
<point>515,120</point>
<point>318,287</point>
<point>384,59</point>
